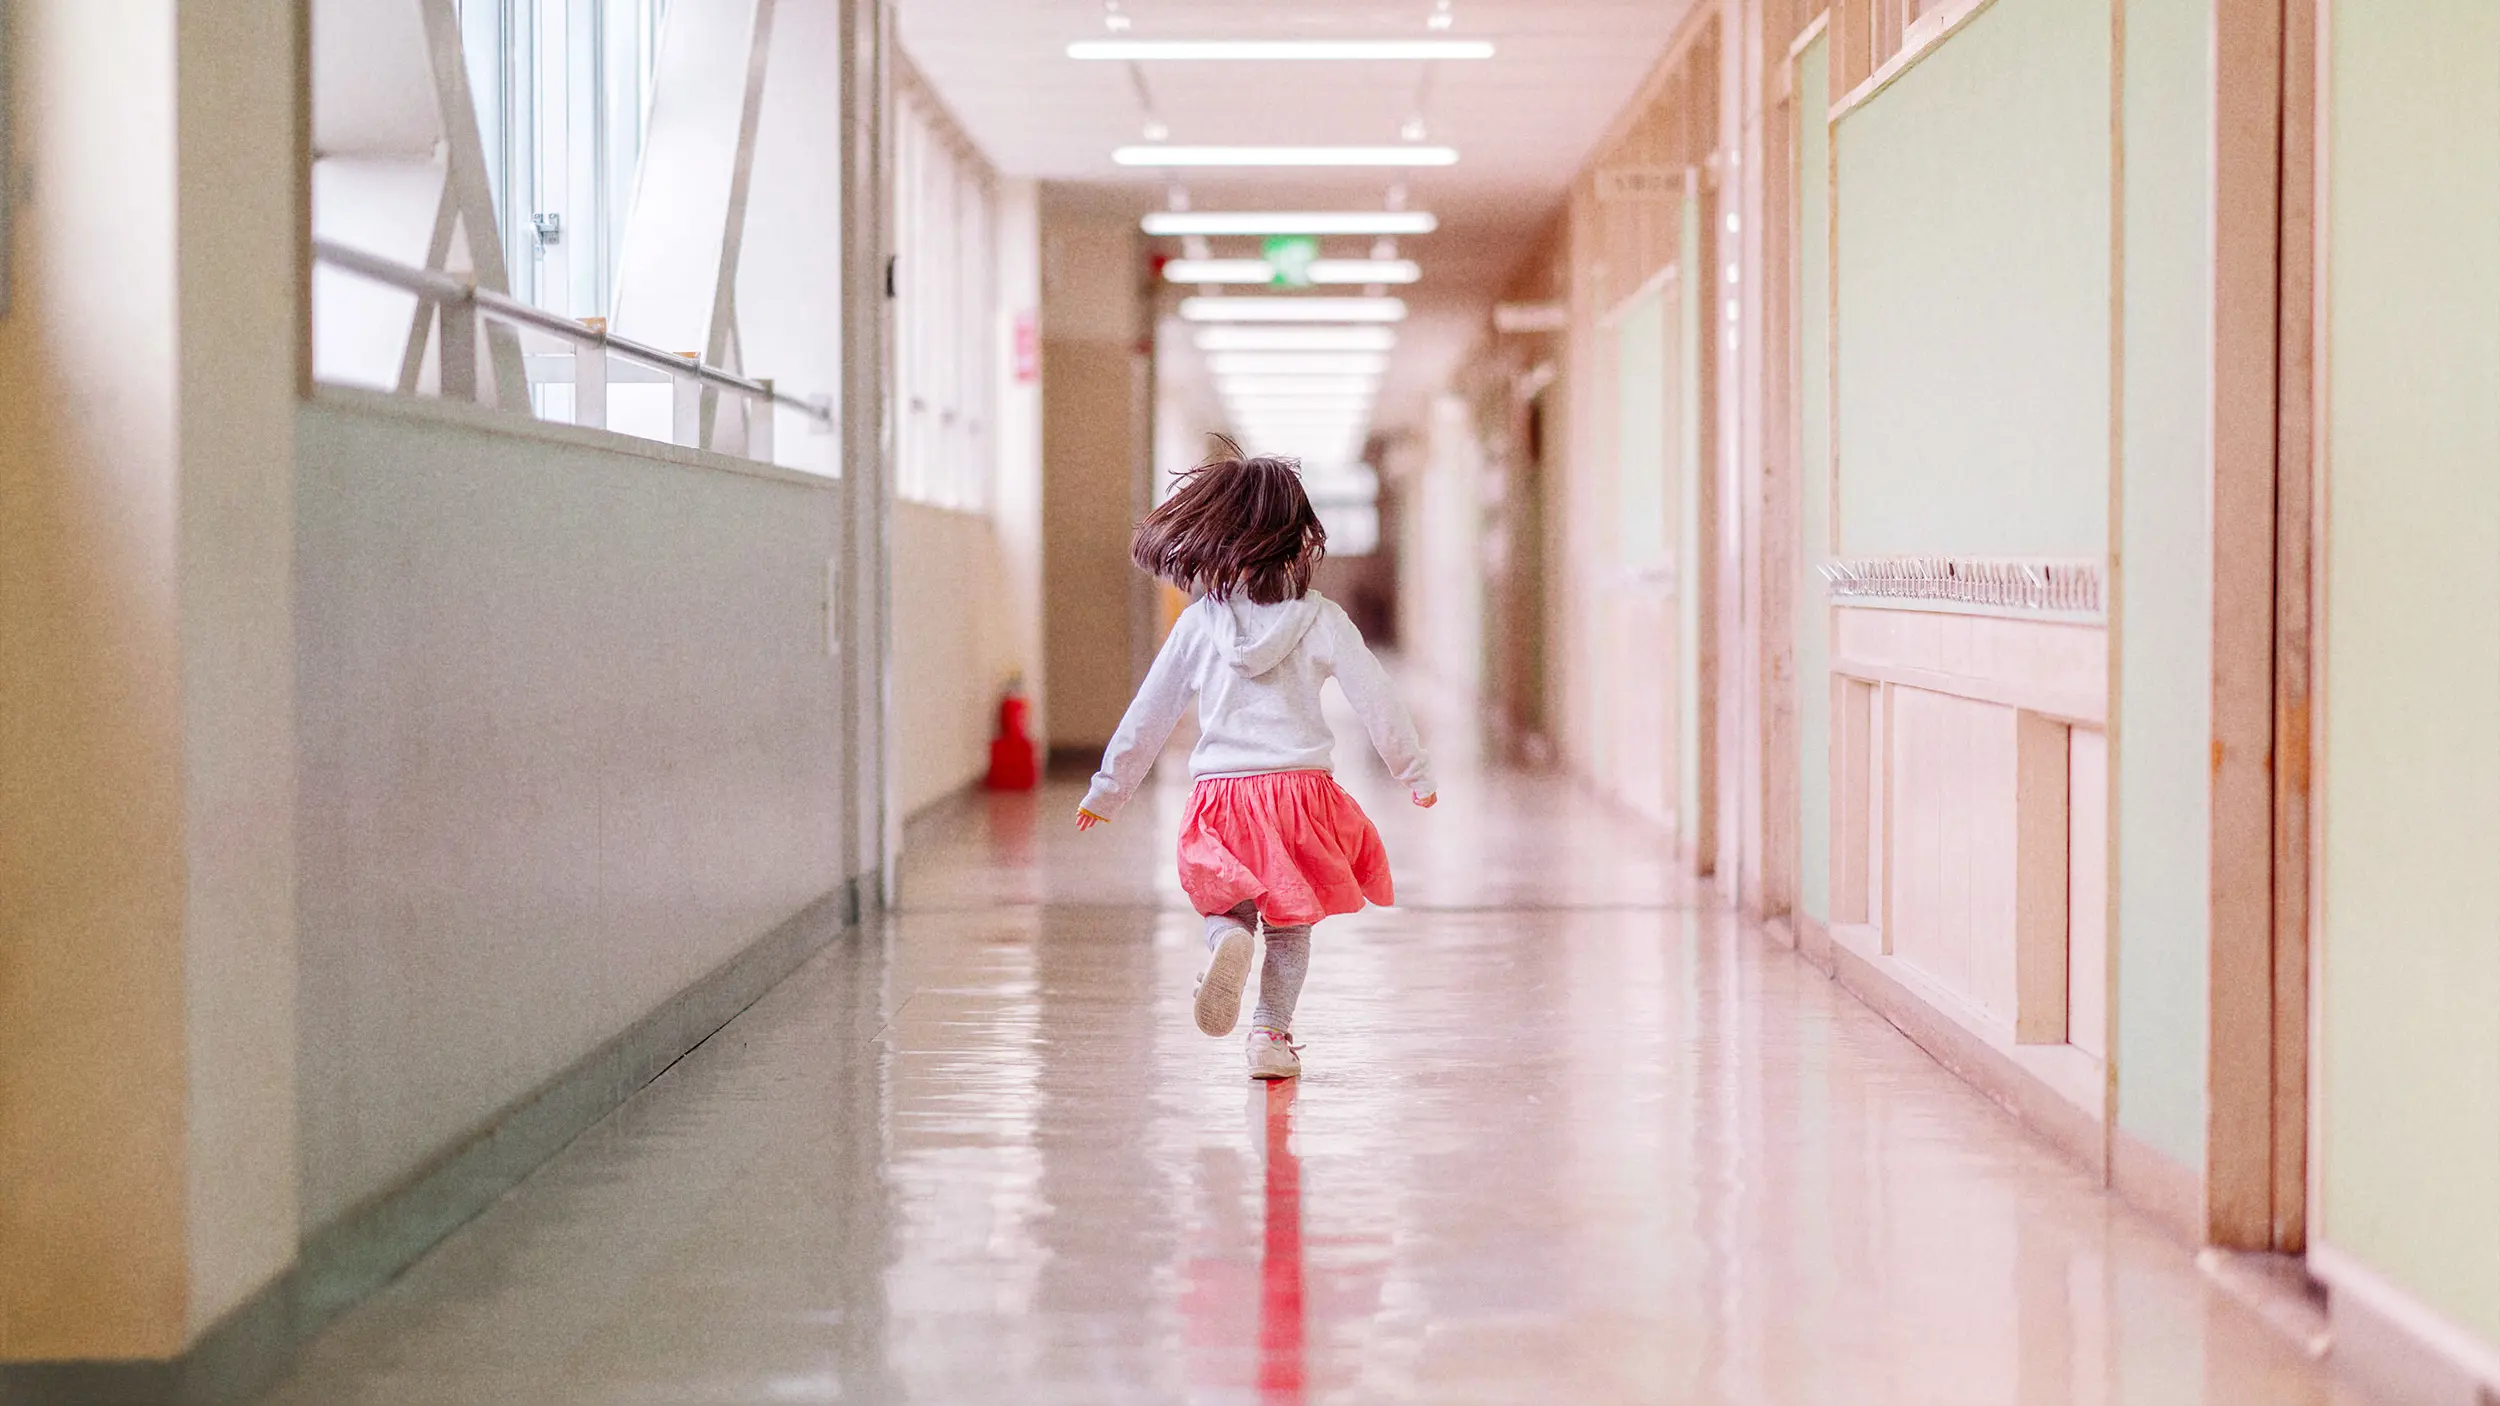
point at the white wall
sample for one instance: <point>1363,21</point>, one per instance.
<point>1442,629</point>
<point>568,738</point>
<point>952,652</point>
<point>2408,1097</point>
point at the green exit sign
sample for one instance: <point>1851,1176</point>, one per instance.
<point>1290,256</point>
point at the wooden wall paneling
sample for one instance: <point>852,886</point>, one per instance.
<point>2087,907</point>
<point>1774,440</point>
<point>1881,786</point>
<point>2295,541</point>
<point>2043,851</point>
<point>1853,800</point>
<point>1853,46</point>
<point>1709,575</point>
<point>2240,1068</point>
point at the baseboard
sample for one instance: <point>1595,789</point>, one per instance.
<point>2032,1100</point>
<point>2399,1347</point>
<point>2275,1287</point>
<point>234,1361</point>
<point>341,1263</point>
<point>1780,930</point>
<point>2153,1183</point>
<point>1814,942</point>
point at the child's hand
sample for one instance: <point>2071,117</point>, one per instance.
<point>1428,802</point>
<point>1087,820</point>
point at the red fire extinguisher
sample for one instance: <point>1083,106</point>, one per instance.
<point>1012,764</point>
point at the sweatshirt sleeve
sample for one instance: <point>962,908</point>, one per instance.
<point>1375,701</point>
<point>1152,714</point>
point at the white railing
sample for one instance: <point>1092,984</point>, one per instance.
<point>461,312</point>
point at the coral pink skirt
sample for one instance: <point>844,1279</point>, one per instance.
<point>1292,841</point>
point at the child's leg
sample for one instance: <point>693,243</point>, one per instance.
<point>1244,915</point>
<point>1230,937</point>
<point>1280,977</point>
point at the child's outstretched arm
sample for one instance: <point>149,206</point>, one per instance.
<point>1375,701</point>
<point>1147,725</point>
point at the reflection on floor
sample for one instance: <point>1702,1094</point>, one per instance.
<point>1567,1136</point>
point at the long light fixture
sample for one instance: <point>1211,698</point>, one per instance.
<point>1296,339</point>
<point>1285,156</point>
<point>1327,271</point>
<point>1309,422</point>
<point>1306,431</point>
<point>1311,389</point>
<point>1298,385</point>
<point>1203,309</point>
<point>1277,50</point>
<point>1217,222</point>
<point>1289,363</point>
<point>1339,415</point>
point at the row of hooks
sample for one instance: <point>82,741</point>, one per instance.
<point>2059,586</point>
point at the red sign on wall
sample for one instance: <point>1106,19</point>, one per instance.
<point>1028,348</point>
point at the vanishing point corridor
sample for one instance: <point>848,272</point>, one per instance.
<point>564,565</point>
<point>1565,1135</point>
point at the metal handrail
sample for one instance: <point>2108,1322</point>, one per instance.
<point>438,286</point>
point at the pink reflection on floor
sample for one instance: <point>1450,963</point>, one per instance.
<point>1280,1258</point>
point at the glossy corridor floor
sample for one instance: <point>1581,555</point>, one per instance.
<point>1567,1137</point>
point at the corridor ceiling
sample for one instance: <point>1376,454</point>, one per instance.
<point>1523,122</point>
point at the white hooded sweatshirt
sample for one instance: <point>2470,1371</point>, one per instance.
<point>1255,671</point>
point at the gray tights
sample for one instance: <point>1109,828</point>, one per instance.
<point>1287,958</point>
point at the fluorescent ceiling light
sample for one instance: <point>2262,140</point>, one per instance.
<point>1298,409</point>
<point>1293,309</point>
<point>1217,222</point>
<point>1332,271</point>
<point>1280,422</point>
<point>1298,384</point>
<point>1219,271</point>
<point>1289,363</point>
<point>1365,271</point>
<point>1296,339</point>
<point>1278,50</point>
<point>1285,156</point>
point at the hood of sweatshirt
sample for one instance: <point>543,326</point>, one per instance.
<point>1262,635</point>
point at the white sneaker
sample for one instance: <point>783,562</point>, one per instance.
<point>1273,1055</point>
<point>1219,986</point>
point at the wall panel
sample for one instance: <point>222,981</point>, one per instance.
<point>2409,1054</point>
<point>568,737</point>
<point>1973,288</point>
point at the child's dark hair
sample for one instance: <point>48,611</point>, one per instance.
<point>1235,525</point>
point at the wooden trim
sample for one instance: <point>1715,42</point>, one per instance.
<point>2041,850</point>
<point>2114,582</point>
<point>2295,546</point>
<point>2054,670</point>
<point>1852,798</point>
<point>1922,39</point>
<point>1613,315</point>
<point>1815,29</point>
<point>1680,46</point>
<point>1714,779</point>
<point>2321,526</point>
<point>2243,376</point>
